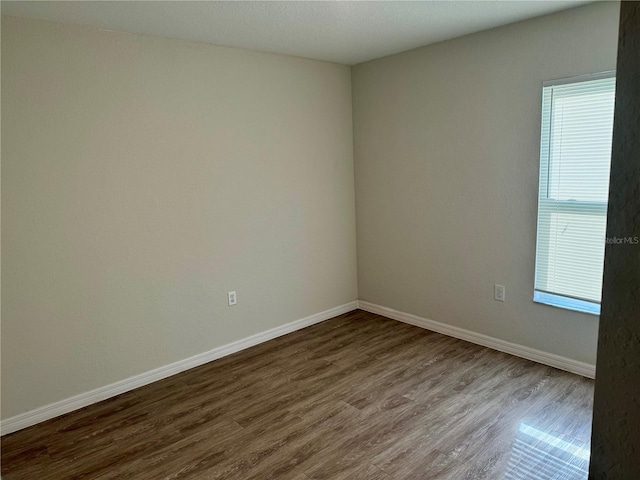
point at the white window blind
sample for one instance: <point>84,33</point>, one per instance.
<point>575,156</point>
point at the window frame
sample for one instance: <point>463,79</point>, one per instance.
<point>563,206</point>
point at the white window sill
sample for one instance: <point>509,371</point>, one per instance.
<point>566,303</point>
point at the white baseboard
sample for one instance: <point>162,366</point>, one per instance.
<point>563,363</point>
<point>56,409</point>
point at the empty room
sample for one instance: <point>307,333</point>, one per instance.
<point>320,240</point>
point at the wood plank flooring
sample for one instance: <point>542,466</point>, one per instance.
<point>356,397</point>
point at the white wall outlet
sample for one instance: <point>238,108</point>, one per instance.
<point>498,293</point>
<point>231,296</point>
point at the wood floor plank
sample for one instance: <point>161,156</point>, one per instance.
<point>356,397</point>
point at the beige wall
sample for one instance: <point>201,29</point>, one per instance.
<point>143,178</point>
<point>446,144</point>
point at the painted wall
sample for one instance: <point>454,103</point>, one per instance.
<point>616,417</point>
<point>446,145</point>
<point>142,179</point>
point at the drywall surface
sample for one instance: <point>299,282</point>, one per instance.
<point>142,179</point>
<point>615,443</point>
<point>446,146</point>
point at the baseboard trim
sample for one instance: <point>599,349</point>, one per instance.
<point>557,361</point>
<point>56,409</point>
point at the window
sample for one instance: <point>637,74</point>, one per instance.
<point>575,156</point>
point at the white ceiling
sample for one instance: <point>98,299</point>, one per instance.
<point>347,32</point>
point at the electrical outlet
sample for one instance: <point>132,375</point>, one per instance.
<point>498,293</point>
<point>231,296</point>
